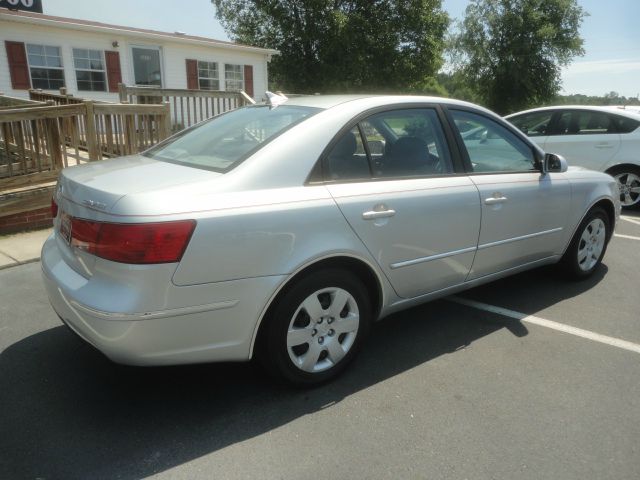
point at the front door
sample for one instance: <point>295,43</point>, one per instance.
<point>524,212</point>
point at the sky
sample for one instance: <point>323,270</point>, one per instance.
<point>611,33</point>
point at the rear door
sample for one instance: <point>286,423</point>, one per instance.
<point>392,176</point>
<point>587,138</point>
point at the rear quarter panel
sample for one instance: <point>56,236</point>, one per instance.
<point>629,152</point>
<point>273,233</point>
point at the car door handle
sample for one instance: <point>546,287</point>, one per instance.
<point>494,200</point>
<point>604,145</point>
<point>373,214</point>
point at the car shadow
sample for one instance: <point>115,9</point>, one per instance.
<point>535,290</point>
<point>631,213</point>
<point>68,412</point>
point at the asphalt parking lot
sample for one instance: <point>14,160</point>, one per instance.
<point>546,388</point>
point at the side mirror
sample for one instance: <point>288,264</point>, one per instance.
<point>554,163</point>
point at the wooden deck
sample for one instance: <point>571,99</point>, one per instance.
<point>41,136</point>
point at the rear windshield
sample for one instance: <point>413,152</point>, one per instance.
<point>225,141</point>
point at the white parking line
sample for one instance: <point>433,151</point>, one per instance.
<point>561,327</point>
<point>631,219</point>
<point>629,237</point>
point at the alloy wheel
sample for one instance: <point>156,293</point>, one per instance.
<point>629,186</point>
<point>591,244</point>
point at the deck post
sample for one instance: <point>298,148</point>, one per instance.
<point>122,93</point>
<point>92,135</point>
<point>165,122</point>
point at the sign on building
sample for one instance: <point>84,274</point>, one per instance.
<point>27,5</point>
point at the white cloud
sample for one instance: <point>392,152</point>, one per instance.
<point>600,66</point>
<point>597,77</point>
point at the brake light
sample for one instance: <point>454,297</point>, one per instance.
<point>54,208</point>
<point>135,243</point>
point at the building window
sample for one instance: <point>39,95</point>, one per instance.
<point>233,77</point>
<point>146,66</point>
<point>90,72</point>
<point>208,78</point>
<point>45,66</point>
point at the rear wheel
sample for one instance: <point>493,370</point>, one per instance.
<point>588,244</point>
<point>316,327</point>
<point>628,179</point>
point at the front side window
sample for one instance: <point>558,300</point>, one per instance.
<point>233,77</point>
<point>90,73</point>
<point>397,143</point>
<point>225,141</point>
<point>45,66</point>
<point>208,76</point>
<point>534,124</point>
<point>492,147</point>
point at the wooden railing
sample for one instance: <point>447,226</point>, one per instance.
<point>122,129</point>
<point>36,142</point>
<point>58,99</point>
<point>7,102</point>
<point>188,107</point>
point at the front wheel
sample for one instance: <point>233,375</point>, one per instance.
<point>316,327</point>
<point>588,244</point>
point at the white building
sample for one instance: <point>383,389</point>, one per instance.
<point>91,58</point>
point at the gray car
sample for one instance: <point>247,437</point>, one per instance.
<point>283,232</point>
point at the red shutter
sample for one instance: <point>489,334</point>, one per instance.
<point>248,80</point>
<point>192,74</point>
<point>18,67</point>
<point>114,74</point>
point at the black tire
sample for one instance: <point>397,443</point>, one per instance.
<point>570,262</point>
<point>286,361</point>
<point>627,176</point>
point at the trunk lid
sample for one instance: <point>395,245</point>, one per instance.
<point>92,190</point>
<point>98,186</point>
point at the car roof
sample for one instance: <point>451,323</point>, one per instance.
<point>330,101</point>
<point>599,108</point>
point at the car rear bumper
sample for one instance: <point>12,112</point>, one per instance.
<point>200,323</point>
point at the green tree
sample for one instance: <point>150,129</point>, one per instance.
<point>511,51</point>
<point>342,45</point>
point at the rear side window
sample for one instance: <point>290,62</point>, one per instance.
<point>392,144</point>
<point>225,141</point>
<point>585,122</point>
<point>534,124</point>
<point>625,124</point>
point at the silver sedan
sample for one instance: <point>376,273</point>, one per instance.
<point>282,232</point>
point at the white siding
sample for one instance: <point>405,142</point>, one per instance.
<point>173,56</point>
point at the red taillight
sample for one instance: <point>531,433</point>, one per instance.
<point>54,208</point>
<point>138,243</point>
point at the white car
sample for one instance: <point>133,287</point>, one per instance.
<point>606,139</point>
<point>282,233</point>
